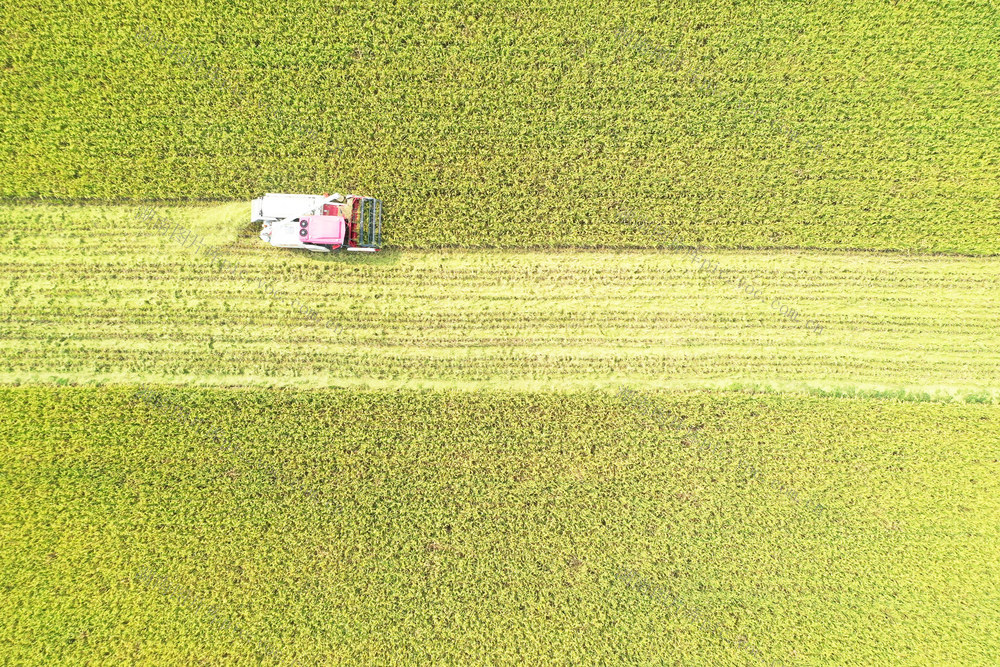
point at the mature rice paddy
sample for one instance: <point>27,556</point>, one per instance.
<point>190,526</point>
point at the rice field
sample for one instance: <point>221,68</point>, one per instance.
<point>123,303</point>
<point>683,348</point>
<point>503,124</point>
<point>258,526</point>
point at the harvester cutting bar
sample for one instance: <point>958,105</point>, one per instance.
<point>369,225</point>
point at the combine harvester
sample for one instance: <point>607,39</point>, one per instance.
<point>319,223</point>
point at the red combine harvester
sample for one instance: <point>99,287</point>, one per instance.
<point>319,223</point>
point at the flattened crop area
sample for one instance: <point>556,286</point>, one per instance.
<point>122,302</point>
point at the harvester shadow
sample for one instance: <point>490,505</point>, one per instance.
<point>384,257</point>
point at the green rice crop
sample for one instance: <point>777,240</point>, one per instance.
<point>868,125</point>
<point>723,391</point>
<point>497,527</point>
